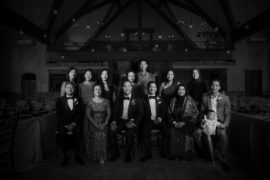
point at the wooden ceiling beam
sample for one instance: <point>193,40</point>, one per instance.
<point>20,23</point>
<point>194,8</point>
<point>85,9</point>
<point>186,37</point>
<point>53,14</point>
<point>169,21</point>
<point>225,5</point>
<point>105,25</point>
<point>252,26</point>
<point>183,6</point>
<point>206,17</point>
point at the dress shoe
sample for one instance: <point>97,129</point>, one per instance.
<point>114,157</point>
<point>65,161</point>
<point>145,158</point>
<point>172,158</point>
<point>225,166</point>
<point>79,160</point>
<point>128,158</point>
<point>165,156</point>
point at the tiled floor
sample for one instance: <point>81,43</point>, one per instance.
<point>155,169</point>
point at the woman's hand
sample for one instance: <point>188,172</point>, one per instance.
<point>113,126</point>
<point>179,124</point>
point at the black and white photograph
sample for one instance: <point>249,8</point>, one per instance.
<point>135,89</point>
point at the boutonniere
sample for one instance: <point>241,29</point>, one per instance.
<point>158,100</point>
<point>219,98</point>
<point>76,101</point>
<point>133,102</point>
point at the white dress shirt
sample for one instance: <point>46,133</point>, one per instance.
<point>152,103</point>
<point>70,103</point>
<point>125,107</point>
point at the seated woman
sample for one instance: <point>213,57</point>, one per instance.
<point>183,114</point>
<point>98,113</point>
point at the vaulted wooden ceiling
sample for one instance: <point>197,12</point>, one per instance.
<point>48,20</point>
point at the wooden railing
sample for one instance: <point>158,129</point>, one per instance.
<point>123,46</point>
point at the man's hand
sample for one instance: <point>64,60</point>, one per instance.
<point>221,125</point>
<point>130,124</point>
<point>158,120</point>
<point>70,127</point>
<point>179,124</point>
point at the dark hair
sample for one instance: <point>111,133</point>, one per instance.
<point>70,83</point>
<point>135,80</point>
<point>197,69</point>
<point>124,82</point>
<point>88,70</point>
<point>105,69</point>
<point>144,61</point>
<point>97,84</point>
<point>173,74</point>
<point>70,69</point>
<point>149,83</point>
<point>216,79</point>
<point>182,86</point>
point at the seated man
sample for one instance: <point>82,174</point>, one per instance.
<point>69,115</point>
<point>220,104</point>
<point>153,113</point>
<point>128,112</point>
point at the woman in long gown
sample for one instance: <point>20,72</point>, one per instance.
<point>183,114</point>
<point>197,86</point>
<point>98,113</point>
<point>107,85</point>
<point>168,90</point>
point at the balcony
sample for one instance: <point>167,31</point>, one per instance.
<point>135,46</point>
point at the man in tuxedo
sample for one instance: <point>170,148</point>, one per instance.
<point>220,104</point>
<point>69,114</point>
<point>153,119</point>
<point>128,113</point>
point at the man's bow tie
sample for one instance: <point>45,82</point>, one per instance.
<point>126,98</point>
<point>152,97</point>
<point>70,97</point>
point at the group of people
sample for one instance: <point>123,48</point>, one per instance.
<point>91,115</point>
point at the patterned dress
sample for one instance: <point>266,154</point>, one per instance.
<point>182,144</point>
<point>96,139</point>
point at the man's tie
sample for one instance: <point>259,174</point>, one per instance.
<point>70,97</point>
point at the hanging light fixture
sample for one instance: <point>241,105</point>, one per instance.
<point>191,24</point>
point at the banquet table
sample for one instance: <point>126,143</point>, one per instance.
<point>34,140</point>
<point>249,138</point>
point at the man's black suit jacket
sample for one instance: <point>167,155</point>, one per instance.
<point>135,110</point>
<point>160,109</point>
<point>65,115</point>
